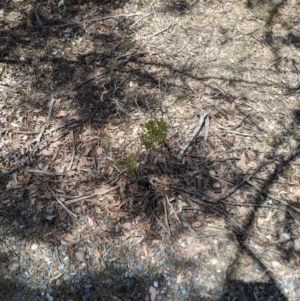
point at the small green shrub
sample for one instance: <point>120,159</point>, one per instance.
<point>153,104</point>
<point>155,132</point>
<point>130,163</point>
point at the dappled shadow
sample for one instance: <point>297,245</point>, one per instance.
<point>239,290</point>
<point>117,281</point>
<point>94,86</point>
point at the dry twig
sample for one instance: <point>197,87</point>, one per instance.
<point>96,19</point>
<point>194,135</point>
<point>39,136</point>
<point>74,150</point>
<point>267,194</point>
<point>154,34</point>
<point>61,203</point>
<point>164,201</point>
<point>43,172</point>
<point>261,191</point>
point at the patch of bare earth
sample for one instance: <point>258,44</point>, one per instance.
<point>87,213</point>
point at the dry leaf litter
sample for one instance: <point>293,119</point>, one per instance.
<point>219,221</point>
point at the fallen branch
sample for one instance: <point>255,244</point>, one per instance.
<point>194,135</point>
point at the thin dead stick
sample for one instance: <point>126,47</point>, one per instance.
<point>234,132</point>
<point>197,193</point>
<point>80,199</point>
<point>289,211</point>
<point>43,172</point>
<point>139,20</point>
<point>112,17</point>
<point>206,127</point>
<point>267,194</point>
<point>232,190</point>
<point>105,191</point>
<point>263,192</point>
<point>97,193</point>
<point>50,139</point>
<point>72,123</point>
<point>208,235</point>
<point>276,62</point>
<point>154,34</point>
<point>195,133</point>
<point>67,197</point>
<point>60,202</point>
<point>8,89</point>
<point>249,205</point>
<point>89,80</point>
<point>96,19</point>
<point>179,221</point>
<point>196,200</point>
<point>8,172</point>
<point>74,150</point>
<point>159,221</point>
<point>265,78</point>
<point>39,136</point>
<point>215,58</point>
<point>166,215</point>
<point>209,157</point>
<point>182,47</point>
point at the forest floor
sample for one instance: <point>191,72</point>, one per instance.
<point>209,213</point>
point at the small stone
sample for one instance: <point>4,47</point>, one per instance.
<point>34,247</point>
<point>66,277</point>
<point>184,292</point>
<point>61,266</point>
<point>155,284</point>
<point>49,297</point>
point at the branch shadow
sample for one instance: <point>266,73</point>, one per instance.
<point>90,82</point>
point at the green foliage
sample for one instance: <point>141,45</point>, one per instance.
<point>141,3</point>
<point>130,163</point>
<point>155,132</point>
<point>153,104</point>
